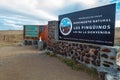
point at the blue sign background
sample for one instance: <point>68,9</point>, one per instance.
<point>95,25</point>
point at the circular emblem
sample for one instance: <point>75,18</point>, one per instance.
<point>65,26</point>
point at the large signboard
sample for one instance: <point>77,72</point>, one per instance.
<point>89,26</point>
<point>31,31</point>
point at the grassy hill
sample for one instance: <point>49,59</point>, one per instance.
<point>8,37</point>
<point>14,36</point>
<point>117,35</point>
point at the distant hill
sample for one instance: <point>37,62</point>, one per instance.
<point>11,35</point>
<point>117,35</point>
<point>17,35</point>
<point>117,29</point>
<point>10,32</point>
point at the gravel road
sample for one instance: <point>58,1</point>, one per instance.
<point>27,63</point>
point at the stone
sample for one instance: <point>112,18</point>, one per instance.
<point>78,58</point>
<point>106,62</point>
<point>98,62</point>
<point>76,54</point>
<point>71,52</point>
<point>91,50</point>
<point>94,57</point>
<point>112,58</point>
<point>82,58</point>
<point>106,65</point>
<point>87,60</point>
<point>83,53</point>
<point>88,55</point>
<point>104,55</point>
<point>106,50</point>
<point>93,62</point>
<point>96,52</point>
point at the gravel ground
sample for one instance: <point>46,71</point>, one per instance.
<point>27,63</point>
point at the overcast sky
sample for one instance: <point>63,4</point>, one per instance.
<point>16,13</point>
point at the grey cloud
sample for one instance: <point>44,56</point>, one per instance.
<point>11,12</point>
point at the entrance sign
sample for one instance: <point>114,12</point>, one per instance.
<point>31,31</point>
<point>94,26</point>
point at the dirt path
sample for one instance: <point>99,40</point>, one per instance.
<point>26,63</point>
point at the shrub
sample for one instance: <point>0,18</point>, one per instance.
<point>19,43</point>
<point>48,52</point>
<point>91,71</point>
<point>70,63</point>
<point>78,68</point>
<point>52,54</point>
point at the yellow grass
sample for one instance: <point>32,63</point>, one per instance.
<point>117,36</point>
<point>12,37</point>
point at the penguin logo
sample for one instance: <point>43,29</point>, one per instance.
<point>65,26</point>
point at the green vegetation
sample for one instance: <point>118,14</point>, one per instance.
<point>47,52</point>
<point>72,64</point>
<point>19,43</point>
<point>117,44</point>
<point>91,71</point>
<point>50,53</point>
<point>75,66</point>
<point>78,68</point>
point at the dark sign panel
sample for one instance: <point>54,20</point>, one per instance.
<point>89,26</point>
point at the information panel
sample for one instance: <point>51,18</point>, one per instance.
<point>94,25</point>
<point>31,31</point>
